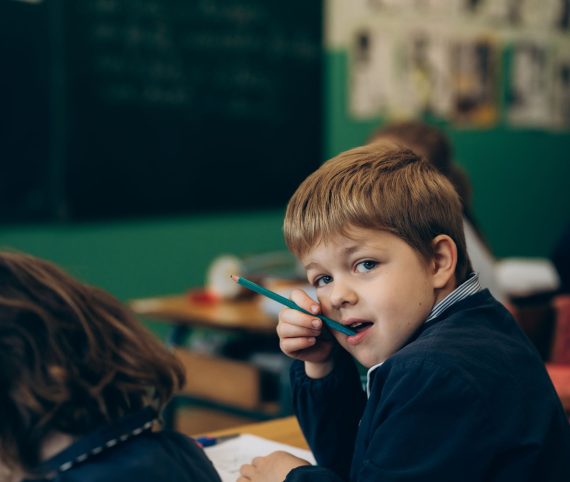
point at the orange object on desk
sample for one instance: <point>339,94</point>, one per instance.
<point>560,376</point>
<point>203,296</point>
<point>559,364</point>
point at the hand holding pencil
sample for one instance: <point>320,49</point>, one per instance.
<point>335,325</point>
<point>300,327</point>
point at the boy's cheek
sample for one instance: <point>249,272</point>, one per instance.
<point>326,308</point>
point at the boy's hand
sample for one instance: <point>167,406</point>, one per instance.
<point>298,333</point>
<point>271,468</point>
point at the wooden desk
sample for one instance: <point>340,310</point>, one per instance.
<point>193,309</point>
<point>188,310</point>
<point>285,430</point>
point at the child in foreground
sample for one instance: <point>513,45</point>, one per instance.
<point>82,384</point>
<point>455,391</point>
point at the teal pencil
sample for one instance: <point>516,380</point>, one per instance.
<point>335,325</point>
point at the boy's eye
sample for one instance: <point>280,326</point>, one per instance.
<point>365,266</point>
<point>322,281</point>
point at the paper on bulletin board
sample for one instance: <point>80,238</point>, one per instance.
<point>529,84</point>
<point>423,75</point>
<point>561,86</point>
<point>475,79</point>
<point>371,73</point>
<point>527,14</point>
<point>341,17</point>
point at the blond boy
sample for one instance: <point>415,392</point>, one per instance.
<point>454,389</point>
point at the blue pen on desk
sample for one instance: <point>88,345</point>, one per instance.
<point>335,325</point>
<point>206,441</point>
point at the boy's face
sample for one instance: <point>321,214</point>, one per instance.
<point>377,284</point>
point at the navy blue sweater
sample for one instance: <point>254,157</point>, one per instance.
<point>466,399</point>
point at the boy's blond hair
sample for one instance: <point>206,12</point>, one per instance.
<point>378,186</point>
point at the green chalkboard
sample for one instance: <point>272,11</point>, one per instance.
<point>24,112</point>
<point>179,106</point>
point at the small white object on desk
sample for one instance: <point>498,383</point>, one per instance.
<point>230,455</point>
<point>218,277</point>
<point>527,276</point>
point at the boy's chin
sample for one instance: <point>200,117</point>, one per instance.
<point>369,361</point>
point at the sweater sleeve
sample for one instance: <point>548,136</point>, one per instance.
<point>329,410</point>
<point>312,474</point>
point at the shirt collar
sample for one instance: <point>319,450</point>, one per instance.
<point>101,439</point>
<point>465,289</point>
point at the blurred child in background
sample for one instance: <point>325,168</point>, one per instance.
<point>507,278</point>
<point>432,144</point>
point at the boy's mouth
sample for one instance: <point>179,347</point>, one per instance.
<point>359,325</point>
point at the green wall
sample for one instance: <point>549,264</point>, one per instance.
<point>520,178</point>
<point>150,257</point>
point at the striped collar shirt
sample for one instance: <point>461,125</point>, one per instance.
<point>465,289</point>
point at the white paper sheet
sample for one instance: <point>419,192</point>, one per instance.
<point>230,455</point>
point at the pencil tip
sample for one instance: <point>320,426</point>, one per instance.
<point>234,277</point>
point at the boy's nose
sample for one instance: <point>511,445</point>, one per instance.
<point>342,295</point>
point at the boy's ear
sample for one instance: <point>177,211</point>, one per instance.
<point>444,261</point>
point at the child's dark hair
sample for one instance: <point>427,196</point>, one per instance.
<point>72,358</point>
<point>430,142</point>
<point>433,144</point>
<point>425,140</point>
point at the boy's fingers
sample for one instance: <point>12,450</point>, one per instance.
<point>295,317</point>
<point>292,345</point>
<point>305,301</point>
<point>289,330</point>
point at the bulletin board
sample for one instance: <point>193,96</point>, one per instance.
<point>475,64</point>
<point>494,75</point>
